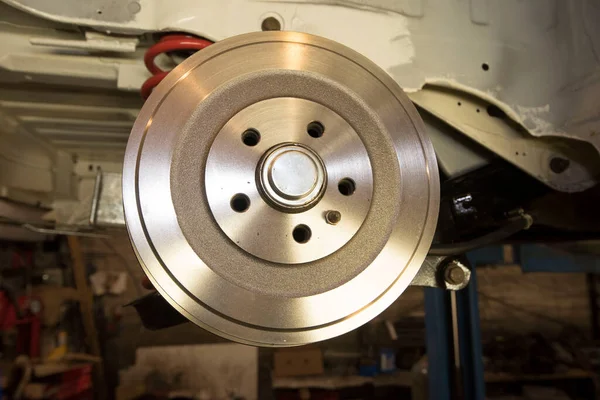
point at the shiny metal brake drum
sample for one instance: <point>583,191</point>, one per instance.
<point>279,189</point>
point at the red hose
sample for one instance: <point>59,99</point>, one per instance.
<point>167,44</point>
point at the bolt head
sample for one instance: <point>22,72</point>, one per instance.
<point>333,217</point>
<point>454,275</point>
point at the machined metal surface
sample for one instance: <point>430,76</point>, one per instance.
<point>187,159</point>
<point>296,174</point>
<point>291,176</point>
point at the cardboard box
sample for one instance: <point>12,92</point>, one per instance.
<point>301,361</point>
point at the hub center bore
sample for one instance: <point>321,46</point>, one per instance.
<point>291,176</point>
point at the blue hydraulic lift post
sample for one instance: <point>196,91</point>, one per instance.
<point>469,339</point>
<point>438,339</point>
<point>438,320</point>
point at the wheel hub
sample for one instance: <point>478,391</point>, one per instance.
<point>279,189</point>
<point>291,176</point>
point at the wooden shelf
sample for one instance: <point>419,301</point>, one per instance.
<point>504,377</point>
<point>398,378</point>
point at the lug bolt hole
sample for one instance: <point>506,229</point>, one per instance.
<point>270,24</point>
<point>315,129</point>
<point>347,187</point>
<point>251,137</point>
<point>240,203</point>
<point>301,233</point>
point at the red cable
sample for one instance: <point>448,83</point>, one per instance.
<point>167,44</point>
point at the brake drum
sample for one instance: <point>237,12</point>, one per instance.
<point>279,189</point>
